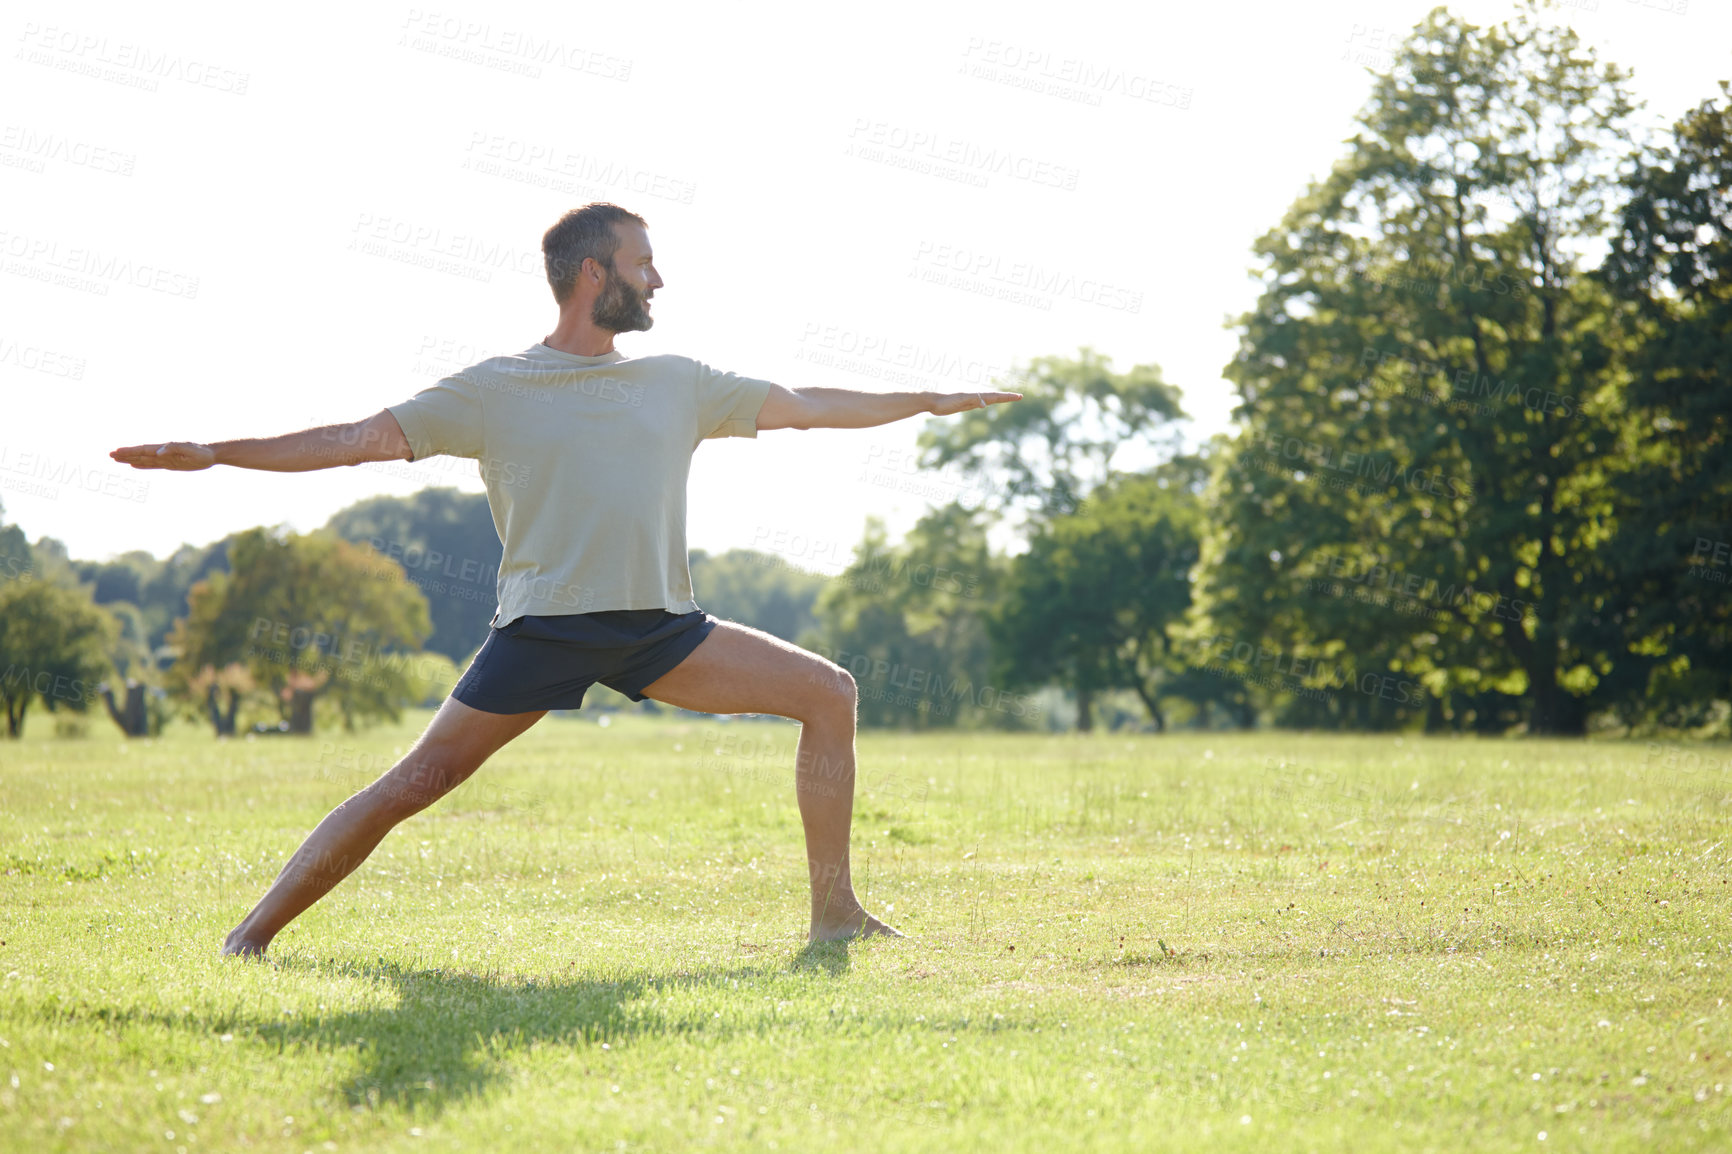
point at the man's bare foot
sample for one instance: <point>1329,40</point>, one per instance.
<point>836,926</point>
<point>238,945</point>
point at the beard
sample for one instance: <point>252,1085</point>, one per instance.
<point>620,308</point>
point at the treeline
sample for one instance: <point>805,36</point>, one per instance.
<point>1479,480</point>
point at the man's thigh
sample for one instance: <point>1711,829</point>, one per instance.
<point>741,670</point>
<point>453,746</point>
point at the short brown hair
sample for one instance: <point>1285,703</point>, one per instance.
<point>580,233</point>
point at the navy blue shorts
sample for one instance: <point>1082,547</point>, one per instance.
<point>536,662</point>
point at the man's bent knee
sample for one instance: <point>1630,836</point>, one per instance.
<point>834,694</point>
<point>846,693</point>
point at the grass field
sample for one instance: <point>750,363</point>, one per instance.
<point>597,945</point>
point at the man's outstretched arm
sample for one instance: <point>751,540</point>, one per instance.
<point>378,438</point>
<point>852,409</point>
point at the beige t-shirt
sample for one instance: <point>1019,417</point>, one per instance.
<point>585,460</point>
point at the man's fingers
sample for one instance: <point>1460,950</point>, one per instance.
<point>959,402</point>
<point>139,456</point>
<point>175,455</point>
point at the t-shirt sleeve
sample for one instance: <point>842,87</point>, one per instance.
<point>728,403</point>
<point>445,418</point>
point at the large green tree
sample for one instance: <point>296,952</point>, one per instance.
<point>53,644</point>
<point>763,590</point>
<point>908,620</point>
<point>307,616</point>
<point>1430,398</point>
<point>16,562</point>
<point>1672,258</point>
<point>1096,601</point>
<point>1043,455</point>
<point>445,542</point>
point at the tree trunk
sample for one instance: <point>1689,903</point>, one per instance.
<point>1085,714</point>
<point>134,719</point>
<point>301,711</point>
<point>1435,722</point>
<point>223,723</point>
<point>1557,712</point>
<point>15,715</point>
<point>1151,704</point>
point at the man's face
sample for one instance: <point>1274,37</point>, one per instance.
<point>623,305</point>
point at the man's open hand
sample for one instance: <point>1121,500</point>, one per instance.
<point>950,403</point>
<point>183,455</point>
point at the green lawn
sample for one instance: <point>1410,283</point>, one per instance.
<point>1372,943</point>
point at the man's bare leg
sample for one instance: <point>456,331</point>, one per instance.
<point>740,670</point>
<point>454,745</point>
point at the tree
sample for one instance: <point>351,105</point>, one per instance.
<point>447,546</point>
<point>909,622</point>
<point>758,589</point>
<point>1673,260</point>
<point>52,642</point>
<point>130,654</point>
<point>1094,602</point>
<point>306,616</point>
<point>1429,393</point>
<point>16,563</point>
<point>1047,451</point>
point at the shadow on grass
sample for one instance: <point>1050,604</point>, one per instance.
<point>447,1035</point>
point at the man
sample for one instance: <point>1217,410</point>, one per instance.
<point>585,453</point>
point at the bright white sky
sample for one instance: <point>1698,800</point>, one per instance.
<point>295,162</point>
